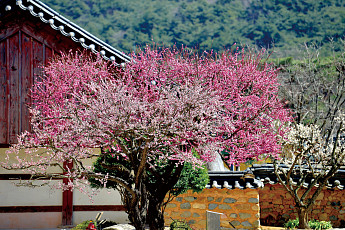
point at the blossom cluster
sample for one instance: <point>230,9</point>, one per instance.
<point>160,106</point>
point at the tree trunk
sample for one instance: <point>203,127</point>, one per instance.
<point>303,219</point>
<point>157,193</point>
<point>155,217</point>
<point>136,207</point>
<point>137,220</point>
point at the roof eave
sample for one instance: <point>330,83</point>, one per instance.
<point>60,23</point>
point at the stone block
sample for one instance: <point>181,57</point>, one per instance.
<point>266,210</point>
<point>210,198</point>
<point>199,206</point>
<point>224,206</point>
<point>333,218</point>
<point>315,211</point>
<point>334,203</point>
<point>225,225</point>
<point>212,206</point>
<point>279,201</point>
<point>246,224</point>
<point>229,200</point>
<point>256,223</point>
<point>179,199</point>
<point>233,215</point>
<point>190,198</point>
<point>256,207</point>
<point>185,206</point>
<point>235,223</point>
<point>244,215</point>
<point>242,200</point>
<point>253,200</point>
<point>271,196</point>
<point>323,216</point>
<point>219,199</point>
<point>171,205</point>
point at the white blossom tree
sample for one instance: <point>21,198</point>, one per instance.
<point>314,148</point>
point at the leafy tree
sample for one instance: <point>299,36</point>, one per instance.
<point>164,108</point>
<point>191,178</point>
<point>314,148</point>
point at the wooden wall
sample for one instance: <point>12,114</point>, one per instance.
<point>27,44</point>
<point>22,58</point>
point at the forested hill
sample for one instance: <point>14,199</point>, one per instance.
<point>208,24</point>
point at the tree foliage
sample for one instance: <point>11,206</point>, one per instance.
<point>191,177</point>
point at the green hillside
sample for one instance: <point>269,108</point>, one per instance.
<point>209,24</point>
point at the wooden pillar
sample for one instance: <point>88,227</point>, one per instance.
<point>67,200</point>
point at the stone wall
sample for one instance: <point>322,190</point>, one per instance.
<point>277,206</point>
<point>240,207</point>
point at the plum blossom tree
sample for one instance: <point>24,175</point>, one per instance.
<point>310,159</point>
<point>164,108</point>
<point>314,148</point>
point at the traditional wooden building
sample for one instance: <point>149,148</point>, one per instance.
<point>31,33</point>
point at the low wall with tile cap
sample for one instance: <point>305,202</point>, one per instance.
<point>277,206</point>
<point>240,207</point>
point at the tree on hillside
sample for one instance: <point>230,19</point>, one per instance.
<point>164,109</point>
<point>315,146</point>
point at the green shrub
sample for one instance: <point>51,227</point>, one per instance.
<point>179,225</point>
<point>291,224</point>
<point>313,224</point>
<point>83,225</point>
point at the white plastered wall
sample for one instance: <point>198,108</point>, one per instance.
<point>12,195</point>
<point>102,197</point>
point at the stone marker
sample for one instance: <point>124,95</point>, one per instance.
<point>213,220</point>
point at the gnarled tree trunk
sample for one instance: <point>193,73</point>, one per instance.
<point>155,216</point>
<point>164,183</point>
<point>303,218</point>
<point>136,206</point>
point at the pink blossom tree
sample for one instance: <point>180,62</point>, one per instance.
<point>165,107</point>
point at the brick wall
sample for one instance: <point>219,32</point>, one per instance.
<point>240,207</point>
<point>277,206</point>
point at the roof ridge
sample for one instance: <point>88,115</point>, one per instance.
<point>60,23</point>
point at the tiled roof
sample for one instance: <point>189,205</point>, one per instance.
<point>234,179</point>
<point>66,27</point>
<point>261,174</point>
